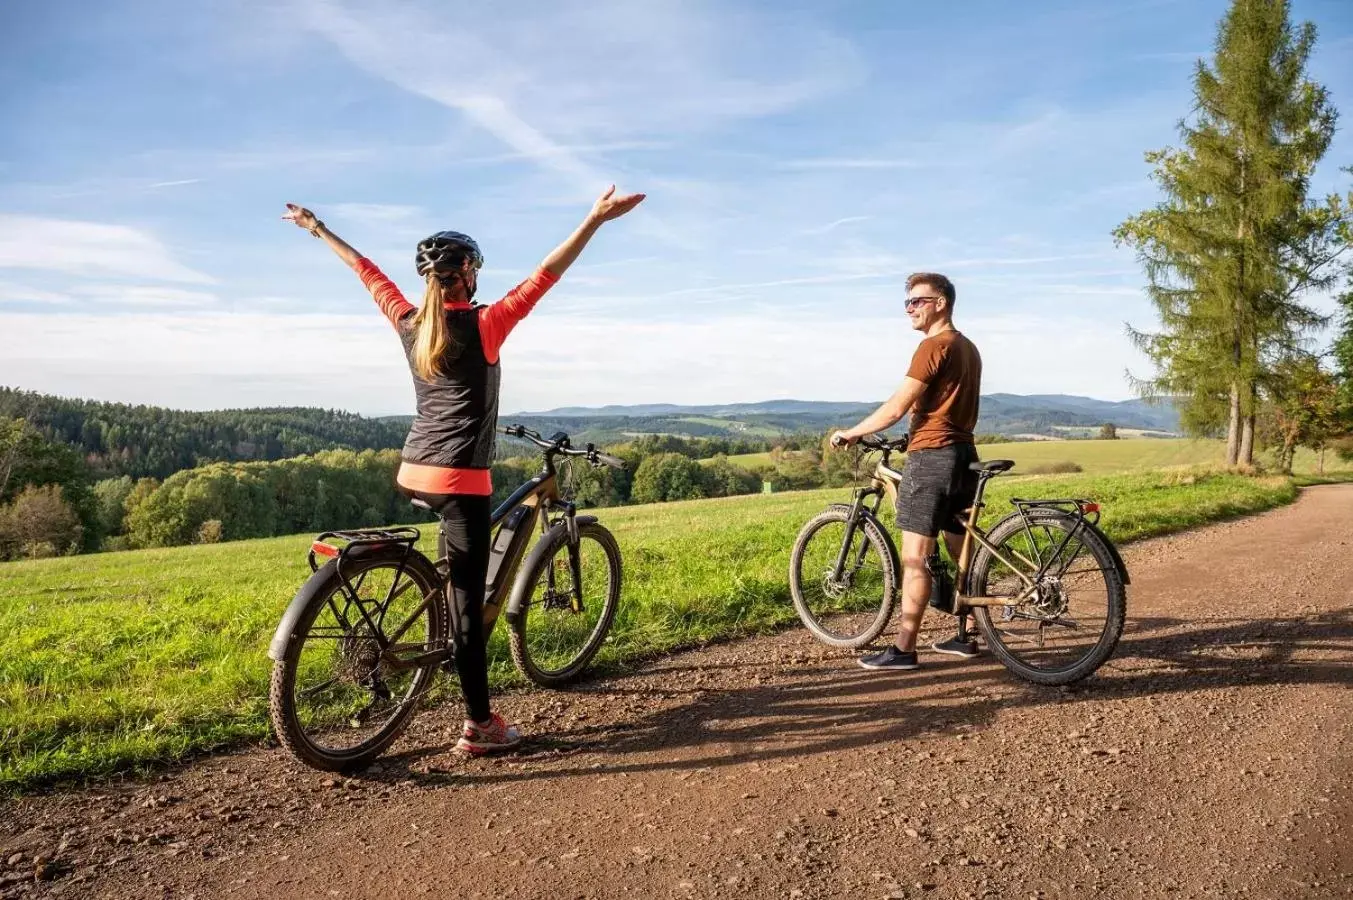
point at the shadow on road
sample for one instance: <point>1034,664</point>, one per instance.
<point>836,706</point>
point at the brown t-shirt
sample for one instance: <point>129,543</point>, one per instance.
<point>946,412</point>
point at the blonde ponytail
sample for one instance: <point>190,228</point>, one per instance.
<point>431,340</point>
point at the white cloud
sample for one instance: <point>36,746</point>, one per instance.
<point>11,292</point>
<point>215,360</point>
<point>88,249</point>
<point>139,295</point>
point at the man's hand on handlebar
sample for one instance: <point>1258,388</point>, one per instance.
<point>841,439</point>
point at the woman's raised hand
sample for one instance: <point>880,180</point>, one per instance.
<point>303,217</point>
<point>610,206</point>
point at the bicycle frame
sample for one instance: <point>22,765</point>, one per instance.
<point>884,484</point>
<point>515,519</point>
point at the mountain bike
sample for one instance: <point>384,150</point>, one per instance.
<point>365,635</point>
<point>1045,585</point>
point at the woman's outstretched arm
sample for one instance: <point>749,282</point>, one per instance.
<point>498,320</point>
<point>388,297</point>
<point>304,218</point>
<point>607,207</point>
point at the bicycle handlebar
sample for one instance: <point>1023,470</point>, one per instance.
<point>559,445</point>
<point>877,442</point>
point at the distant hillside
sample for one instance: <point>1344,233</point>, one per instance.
<point>1008,414</point>
<point>119,439</point>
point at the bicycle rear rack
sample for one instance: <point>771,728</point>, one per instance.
<point>353,538</point>
<point>1085,509</point>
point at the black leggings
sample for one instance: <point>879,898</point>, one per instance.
<point>467,533</point>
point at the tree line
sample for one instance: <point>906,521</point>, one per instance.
<point>117,439</point>
<point>50,503</point>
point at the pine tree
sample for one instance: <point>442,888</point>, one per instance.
<point>1236,246</point>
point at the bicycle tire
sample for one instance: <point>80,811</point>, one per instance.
<point>1115,603</point>
<point>527,659</point>
<point>882,547</point>
<point>290,730</point>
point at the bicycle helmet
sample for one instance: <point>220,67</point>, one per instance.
<point>444,251</point>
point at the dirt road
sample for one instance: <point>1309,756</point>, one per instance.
<point>1210,758</point>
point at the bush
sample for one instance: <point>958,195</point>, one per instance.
<point>668,476</point>
<point>38,550</point>
<point>725,479</point>
<point>1054,468</point>
<point>39,523</point>
<point>210,532</point>
<point>111,496</point>
<point>115,543</point>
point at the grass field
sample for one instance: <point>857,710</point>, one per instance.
<point>1097,457</point>
<point>114,661</point>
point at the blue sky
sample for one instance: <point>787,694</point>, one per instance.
<point>800,159</point>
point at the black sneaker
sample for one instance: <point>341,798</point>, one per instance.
<point>954,647</point>
<point>892,658</point>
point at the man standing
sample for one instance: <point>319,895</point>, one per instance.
<point>941,391</point>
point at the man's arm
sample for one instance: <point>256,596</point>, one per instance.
<point>887,415</point>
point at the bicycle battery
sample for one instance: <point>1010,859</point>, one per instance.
<point>508,543</point>
<point>941,584</point>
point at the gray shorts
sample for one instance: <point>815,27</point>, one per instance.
<point>937,486</point>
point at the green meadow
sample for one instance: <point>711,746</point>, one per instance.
<point>1096,457</point>
<point>118,661</point>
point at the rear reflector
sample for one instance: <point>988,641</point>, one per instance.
<point>324,549</point>
<point>1088,508</point>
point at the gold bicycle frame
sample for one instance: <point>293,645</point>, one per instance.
<point>886,479</point>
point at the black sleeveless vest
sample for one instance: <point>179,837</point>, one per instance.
<point>457,411</point>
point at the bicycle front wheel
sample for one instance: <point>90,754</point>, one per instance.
<point>571,595</point>
<point>1071,622</point>
<point>337,699</point>
<point>843,592</point>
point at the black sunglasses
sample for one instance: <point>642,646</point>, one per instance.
<point>913,302</point>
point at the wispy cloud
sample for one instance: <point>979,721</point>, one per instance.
<point>88,249</point>
<point>11,292</point>
<point>138,295</point>
<point>618,87</point>
<point>853,162</point>
<point>387,214</point>
<point>832,226</point>
<point>178,183</point>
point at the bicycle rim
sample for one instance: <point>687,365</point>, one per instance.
<point>563,622</point>
<point>345,699</point>
<point>851,606</point>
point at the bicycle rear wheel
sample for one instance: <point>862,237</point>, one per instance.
<point>851,609</point>
<point>1072,621</point>
<point>566,614</point>
<point>335,699</point>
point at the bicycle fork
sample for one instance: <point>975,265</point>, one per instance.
<point>575,563</point>
<point>852,524</point>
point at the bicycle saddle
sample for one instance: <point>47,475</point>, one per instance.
<point>992,465</point>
